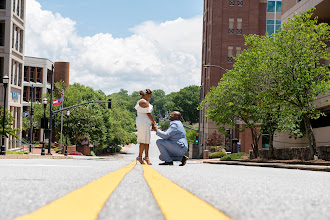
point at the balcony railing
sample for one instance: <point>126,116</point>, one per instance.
<point>239,31</point>
<point>240,2</point>
<point>230,59</point>
<point>231,31</point>
<point>231,2</point>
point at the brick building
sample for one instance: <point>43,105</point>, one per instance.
<point>224,23</point>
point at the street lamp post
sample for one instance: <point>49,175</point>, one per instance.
<point>44,101</point>
<point>202,96</point>
<point>67,133</point>
<point>5,81</point>
<point>51,111</point>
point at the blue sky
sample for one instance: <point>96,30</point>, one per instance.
<point>125,44</point>
<point>118,16</point>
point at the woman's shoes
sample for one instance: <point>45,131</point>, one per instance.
<point>140,160</point>
<point>146,159</point>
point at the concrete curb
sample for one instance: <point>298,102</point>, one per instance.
<point>274,165</point>
<point>29,156</point>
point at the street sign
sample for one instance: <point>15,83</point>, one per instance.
<point>26,114</point>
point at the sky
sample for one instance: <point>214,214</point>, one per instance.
<point>126,44</point>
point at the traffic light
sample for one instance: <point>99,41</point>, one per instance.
<point>109,103</point>
<point>157,121</point>
<point>196,138</point>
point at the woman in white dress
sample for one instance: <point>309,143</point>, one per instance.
<point>144,120</point>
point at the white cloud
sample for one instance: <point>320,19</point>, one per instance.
<point>157,56</point>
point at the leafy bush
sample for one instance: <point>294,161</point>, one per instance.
<point>37,143</point>
<point>215,139</point>
<point>58,150</point>
<point>16,152</point>
<point>234,156</point>
<point>93,154</point>
<point>217,149</point>
<point>217,155</point>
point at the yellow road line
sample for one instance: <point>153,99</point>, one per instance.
<point>177,203</point>
<point>83,203</point>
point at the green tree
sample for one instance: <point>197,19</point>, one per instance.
<point>8,123</point>
<point>187,101</point>
<point>301,73</point>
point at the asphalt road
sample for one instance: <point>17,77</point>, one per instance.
<point>240,192</point>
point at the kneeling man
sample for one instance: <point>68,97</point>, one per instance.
<point>173,144</point>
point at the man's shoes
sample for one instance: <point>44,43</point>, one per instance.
<point>167,163</point>
<point>184,160</point>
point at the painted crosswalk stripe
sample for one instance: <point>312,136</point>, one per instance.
<point>177,203</point>
<point>83,203</point>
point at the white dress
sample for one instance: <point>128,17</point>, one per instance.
<point>143,123</point>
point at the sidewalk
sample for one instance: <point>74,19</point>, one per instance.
<point>300,165</point>
<point>34,156</point>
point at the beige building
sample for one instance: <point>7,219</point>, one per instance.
<point>37,77</point>
<point>12,31</point>
<point>321,127</point>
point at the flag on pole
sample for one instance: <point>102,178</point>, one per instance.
<point>60,100</point>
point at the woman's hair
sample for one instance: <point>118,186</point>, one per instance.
<point>145,91</point>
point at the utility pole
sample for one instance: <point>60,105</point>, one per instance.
<point>51,112</point>
<point>31,117</point>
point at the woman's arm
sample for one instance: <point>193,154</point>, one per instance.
<point>151,118</point>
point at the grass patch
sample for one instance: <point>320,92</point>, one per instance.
<point>234,156</point>
<point>16,152</point>
<point>217,155</point>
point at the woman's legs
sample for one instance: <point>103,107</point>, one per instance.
<point>141,149</point>
<point>146,148</point>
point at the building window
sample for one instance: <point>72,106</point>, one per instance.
<point>39,75</point>
<point>1,68</point>
<point>278,7</point>
<point>270,27</point>
<point>2,4</point>
<point>15,73</point>
<point>26,69</point>
<point>274,6</point>
<point>2,33</point>
<point>21,41</point>
<point>32,74</point>
<point>38,95</point>
<point>238,50</point>
<point>14,6</point>
<point>25,94</point>
<point>22,9</point>
<point>240,2</point>
<point>19,75</point>
<point>17,11</point>
<point>230,54</point>
<point>271,6</point>
<point>239,26</point>
<point>278,25</point>
<point>13,38</point>
<point>49,76</point>
<point>231,2</point>
<point>205,5</point>
<point>231,26</point>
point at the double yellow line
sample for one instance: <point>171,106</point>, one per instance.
<point>88,201</point>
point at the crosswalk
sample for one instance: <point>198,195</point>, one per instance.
<point>87,202</point>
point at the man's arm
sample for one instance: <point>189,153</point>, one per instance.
<point>170,131</point>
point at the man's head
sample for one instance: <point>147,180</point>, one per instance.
<point>175,116</point>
